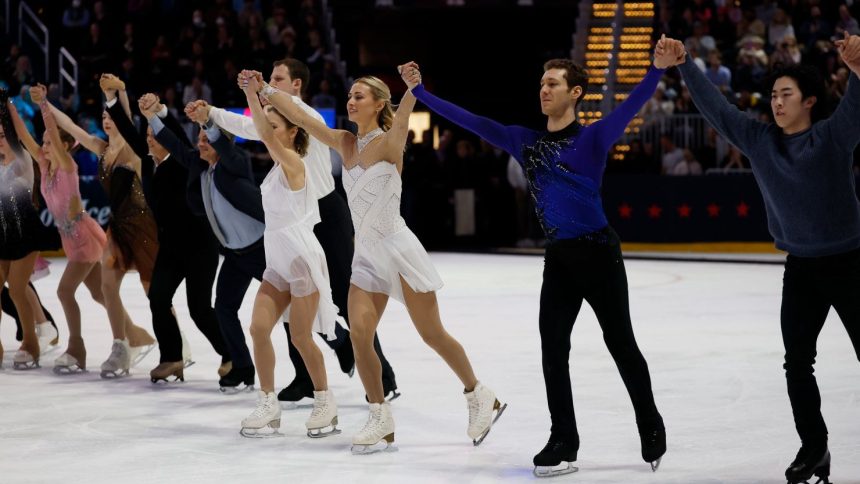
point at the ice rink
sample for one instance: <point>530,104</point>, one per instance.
<point>709,331</point>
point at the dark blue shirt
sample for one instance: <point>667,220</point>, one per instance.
<point>564,168</point>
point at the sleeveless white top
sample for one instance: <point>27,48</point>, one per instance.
<point>295,260</point>
<point>385,248</point>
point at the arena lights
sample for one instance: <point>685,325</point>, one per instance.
<point>637,46</point>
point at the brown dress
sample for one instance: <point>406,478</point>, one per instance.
<point>132,233</point>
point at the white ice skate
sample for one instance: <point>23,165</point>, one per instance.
<point>186,351</point>
<point>484,410</point>
<point>23,360</point>
<point>67,364</point>
<point>265,420</point>
<point>48,336</point>
<point>119,360</point>
<point>324,415</point>
<point>136,354</point>
<point>379,429</point>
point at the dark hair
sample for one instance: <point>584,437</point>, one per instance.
<point>300,144</point>
<point>809,82</point>
<point>574,74</point>
<point>298,70</point>
<point>6,122</point>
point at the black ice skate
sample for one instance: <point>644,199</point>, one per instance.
<point>232,382</point>
<point>653,447</point>
<point>810,461</point>
<point>298,389</point>
<point>555,459</point>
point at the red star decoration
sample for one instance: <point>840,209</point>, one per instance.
<point>713,210</point>
<point>743,210</point>
<point>654,211</point>
<point>684,211</point>
<point>624,210</point>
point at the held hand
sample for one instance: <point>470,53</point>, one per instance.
<point>194,113</point>
<point>410,74</point>
<point>253,84</point>
<point>849,50</point>
<point>201,112</point>
<point>149,105</point>
<point>109,82</point>
<point>38,93</point>
<point>668,52</point>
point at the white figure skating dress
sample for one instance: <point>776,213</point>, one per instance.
<point>295,261</point>
<point>385,248</point>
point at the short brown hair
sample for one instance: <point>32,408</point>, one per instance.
<point>298,70</point>
<point>574,74</point>
<point>301,142</point>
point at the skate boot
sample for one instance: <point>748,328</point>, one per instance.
<point>238,380</point>
<point>74,360</point>
<point>265,420</point>
<point>323,415</point>
<point>24,360</point>
<point>138,353</point>
<point>484,410</point>
<point>346,358</point>
<point>166,370</point>
<point>555,459</point>
<point>48,335</point>
<point>653,447</point>
<point>810,461</point>
<point>118,362</point>
<point>379,428</point>
<point>186,352</point>
<point>298,389</point>
<point>224,369</point>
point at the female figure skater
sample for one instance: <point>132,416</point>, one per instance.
<point>82,237</point>
<point>19,229</point>
<point>296,276</point>
<point>132,236</point>
<point>389,260</point>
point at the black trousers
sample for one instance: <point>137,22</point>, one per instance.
<point>196,264</point>
<point>811,285</point>
<point>335,234</point>
<point>237,271</point>
<point>589,268</point>
<point>10,309</point>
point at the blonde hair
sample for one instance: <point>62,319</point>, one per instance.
<point>380,92</point>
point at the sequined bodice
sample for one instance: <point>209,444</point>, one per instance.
<point>59,190</point>
<point>376,190</point>
<point>127,204</point>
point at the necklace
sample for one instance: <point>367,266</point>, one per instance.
<point>364,140</point>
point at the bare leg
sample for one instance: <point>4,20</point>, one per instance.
<point>18,274</point>
<point>303,311</point>
<point>365,309</point>
<point>268,307</point>
<point>73,276</point>
<point>111,280</point>
<point>137,336</point>
<point>93,281</point>
<point>424,311</point>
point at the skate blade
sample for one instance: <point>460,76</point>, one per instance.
<point>25,365</point>
<point>394,394</point>
<point>351,371</point>
<point>379,447</point>
<point>141,353</point>
<point>237,390</point>
<point>656,464</point>
<point>499,412</point>
<point>110,375</point>
<point>320,434</point>
<point>263,433</point>
<point>69,370</point>
<point>176,378</point>
<point>189,362</point>
<point>552,471</point>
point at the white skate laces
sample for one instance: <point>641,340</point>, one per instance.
<point>118,362</point>
<point>265,420</point>
<point>378,428</point>
<point>323,415</point>
<point>484,410</point>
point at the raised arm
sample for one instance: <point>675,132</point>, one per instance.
<point>52,131</point>
<point>127,130</point>
<point>283,102</point>
<point>508,138</point>
<point>234,123</point>
<point>289,160</point>
<point>738,128</point>
<point>842,126</point>
<point>90,142</point>
<point>610,128</point>
<point>23,133</point>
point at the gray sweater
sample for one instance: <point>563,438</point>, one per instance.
<point>806,178</point>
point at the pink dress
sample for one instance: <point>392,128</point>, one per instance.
<point>83,238</point>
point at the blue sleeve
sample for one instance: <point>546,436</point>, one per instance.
<point>508,138</point>
<point>610,128</point>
